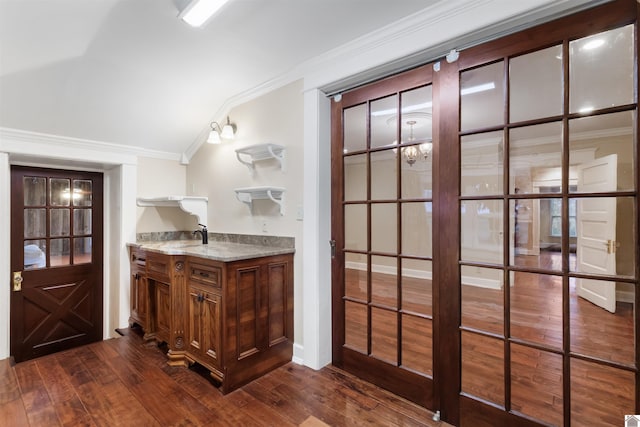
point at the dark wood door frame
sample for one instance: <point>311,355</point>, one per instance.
<point>446,226</point>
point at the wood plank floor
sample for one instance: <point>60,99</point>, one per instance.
<point>126,382</point>
<point>599,394</point>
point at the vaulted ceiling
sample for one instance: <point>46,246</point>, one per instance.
<point>129,72</point>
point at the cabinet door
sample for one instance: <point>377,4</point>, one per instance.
<point>210,317</point>
<point>163,311</point>
<point>194,322</point>
<point>203,332</point>
<point>139,295</point>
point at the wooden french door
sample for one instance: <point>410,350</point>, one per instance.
<point>383,229</point>
<point>56,260</point>
<point>460,216</point>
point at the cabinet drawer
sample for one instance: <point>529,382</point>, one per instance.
<point>205,274</point>
<point>138,258</point>
<point>158,266</point>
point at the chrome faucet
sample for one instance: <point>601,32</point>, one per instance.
<point>204,233</point>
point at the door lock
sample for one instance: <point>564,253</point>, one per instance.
<point>17,281</point>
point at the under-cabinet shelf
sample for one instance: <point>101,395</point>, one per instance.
<point>248,194</point>
<point>253,153</point>
<point>193,205</point>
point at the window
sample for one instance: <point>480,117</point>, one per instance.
<point>556,217</point>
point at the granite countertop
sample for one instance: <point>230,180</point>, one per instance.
<point>217,251</point>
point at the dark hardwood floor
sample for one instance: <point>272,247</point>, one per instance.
<point>126,382</point>
<point>600,395</point>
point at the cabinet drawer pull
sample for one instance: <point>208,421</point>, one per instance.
<point>203,274</point>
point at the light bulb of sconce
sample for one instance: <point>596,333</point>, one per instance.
<point>214,137</point>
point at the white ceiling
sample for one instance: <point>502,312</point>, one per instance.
<point>130,72</point>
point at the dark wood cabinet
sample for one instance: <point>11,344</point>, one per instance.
<point>161,310</point>
<point>139,292</point>
<point>154,278</point>
<point>204,315</point>
<point>258,318</point>
<point>234,318</point>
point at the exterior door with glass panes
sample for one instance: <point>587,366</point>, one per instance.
<point>56,260</point>
<point>383,278</point>
<point>536,228</point>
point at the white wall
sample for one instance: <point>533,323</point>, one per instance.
<point>159,178</point>
<point>5,252</point>
<point>214,172</point>
<point>317,230</point>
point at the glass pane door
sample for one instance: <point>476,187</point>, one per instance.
<point>66,237</point>
<point>56,248</point>
<point>548,231</point>
<point>387,231</point>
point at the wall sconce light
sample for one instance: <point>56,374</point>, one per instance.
<point>228,131</point>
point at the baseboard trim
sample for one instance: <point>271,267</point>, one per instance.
<point>625,296</point>
<point>298,354</point>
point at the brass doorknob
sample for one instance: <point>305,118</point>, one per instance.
<point>17,281</point>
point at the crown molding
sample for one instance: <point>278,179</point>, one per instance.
<point>439,25</point>
<point>408,32</point>
<point>21,143</point>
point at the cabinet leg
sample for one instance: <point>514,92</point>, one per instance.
<point>177,358</point>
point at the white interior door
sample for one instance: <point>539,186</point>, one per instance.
<point>596,229</point>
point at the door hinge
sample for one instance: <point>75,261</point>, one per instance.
<point>332,243</point>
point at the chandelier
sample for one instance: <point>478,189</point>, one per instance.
<point>413,152</point>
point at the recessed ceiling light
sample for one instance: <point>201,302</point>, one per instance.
<point>593,44</point>
<point>199,11</point>
<point>478,88</point>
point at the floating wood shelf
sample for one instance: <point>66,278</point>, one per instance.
<point>193,205</point>
<point>253,153</point>
<point>248,194</point>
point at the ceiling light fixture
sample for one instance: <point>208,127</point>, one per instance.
<point>198,12</point>
<point>477,88</point>
<point>412,152</point>
<point>406,109</point>
<point>465,91</point>
<point>593,44</point>
<point>217,134</point>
